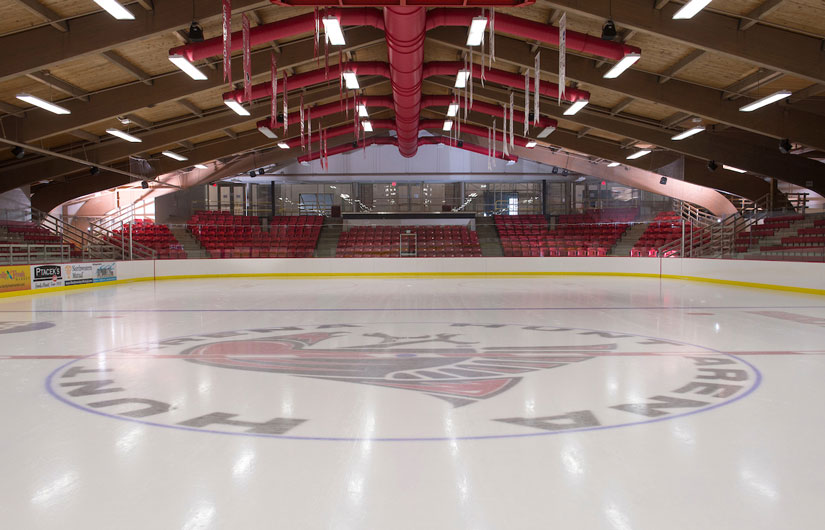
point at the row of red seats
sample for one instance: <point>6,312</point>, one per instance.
<point>289,236</point>
<point>608,215</point>
<point>423,241</point>
<point>222,218</point>
<point>253,252</point>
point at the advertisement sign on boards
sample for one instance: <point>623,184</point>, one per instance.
<point>14,279</point>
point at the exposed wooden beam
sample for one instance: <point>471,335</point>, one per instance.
<point>128,67</point>
<point>22,172</point>
<point>809,92</point>
<point>58,84</point>
<point>737,151</point>
<point>774,121</point>
<point>140,122</point>
<point>186,144</point>
<point>230,133</point>
<point>675,119</point>
<point>50,16</point>
<point>83,135</point>
<point>97,32</point>
<point>130,98</point>
<point>680,65</point>
<point>584,132</point>
<point>621,106</point>
<point>148,5</point>
<point>758,12</point>
<point>660,3</point>
<point>766,46</point>
<point>749,82</point>
<point>191,107</point>
<point>11,109</point>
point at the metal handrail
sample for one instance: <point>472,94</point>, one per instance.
<point>24,253</point>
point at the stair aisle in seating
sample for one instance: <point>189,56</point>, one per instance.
<point>431,242</point>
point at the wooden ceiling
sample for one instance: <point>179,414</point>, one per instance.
<point>694,71</point>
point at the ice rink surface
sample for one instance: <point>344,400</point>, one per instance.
<point>394,404</point>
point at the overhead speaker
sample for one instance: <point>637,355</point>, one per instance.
<point>460,143</point>
<point>144,185</point>
<point>18,152</point>
<point>94,170</point>
<point>712,165</point>
<point>663,181</point>
<point>261,171</point>
<point>252,173</point>
<point>609,31</point>
<point>195,32</point>
<point>785,146</point>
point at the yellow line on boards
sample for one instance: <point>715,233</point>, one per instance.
<point>332,275</point>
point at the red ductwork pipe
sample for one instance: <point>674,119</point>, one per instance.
<point>280,30</point>
<point>313,77</point>
<point>528,29</point>
<point>332,108</point>
<point>548,89</point>
<point>486,108</point>
<point>405,33</point>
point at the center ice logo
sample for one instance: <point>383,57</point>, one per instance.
<point>379,382</point>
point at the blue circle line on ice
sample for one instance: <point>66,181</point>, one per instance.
<point>756,383</point>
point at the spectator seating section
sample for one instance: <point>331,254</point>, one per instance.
<point>29,233</point>
<point>157,237</point>
<point>749,238</point>
<point>225,235</point>
<point>430,242</point>
<point>665,228</point>
<point>590,234</point>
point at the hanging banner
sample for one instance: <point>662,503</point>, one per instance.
<point>526,100</point>
<point>562,55</point>
<point>301,119</point>
<point>537,70</point>
<point>14,279</point>
<point>247,59</point>
<point>227,41</point>
<point>286,107</point>
<point>317,32</point>
<point>273,81</point>
<point>504,147</point>
<point>512,129</point>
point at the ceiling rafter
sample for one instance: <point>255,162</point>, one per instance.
<point>56,83</point>
<point>737,152</point>
<point>119,61</point>
<point>749,82</point>
<point>55,20</point>
<point>773,120</point>
<point>98,32</point>
<point>129,98</point>
<point>766,46</point>
<point>680,65</point>
<point>762,10</point>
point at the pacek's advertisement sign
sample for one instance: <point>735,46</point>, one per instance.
<point>46,276</point>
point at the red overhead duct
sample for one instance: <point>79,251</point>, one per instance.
<point>528,29</point>
<point>486,108</point>
<point>313,77</point>
<point>405,33</point>
<point>281,29</point>
<point>501,77</point>
<point>332,108</point>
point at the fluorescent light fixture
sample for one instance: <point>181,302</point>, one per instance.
<point>189,69</point>
<point>448,125</point>
<point>618,68</point>
<point>767,100</point>
<point>461,78</point>
<point>530,144</point>
<point>125,136</point>
<point>639,154</point>
<point>613,164</point>
<point>237,107</point>
<point>266,131</point>
<point>332,29</point>
<point>174,155</point>
<point>452,110</point>
<point>576,107</point>
<point>201,166</point>
<point>115,9</point>
<point>283,145</point>
<point>690,9</point>
<point>731,168</point>
<point>43,104</point>
<point>476,33</point>
<point>547,131</point>
<point>366,125</point>
<point>688,133</point>
<point>351,80</point>
<point>362,111</point>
